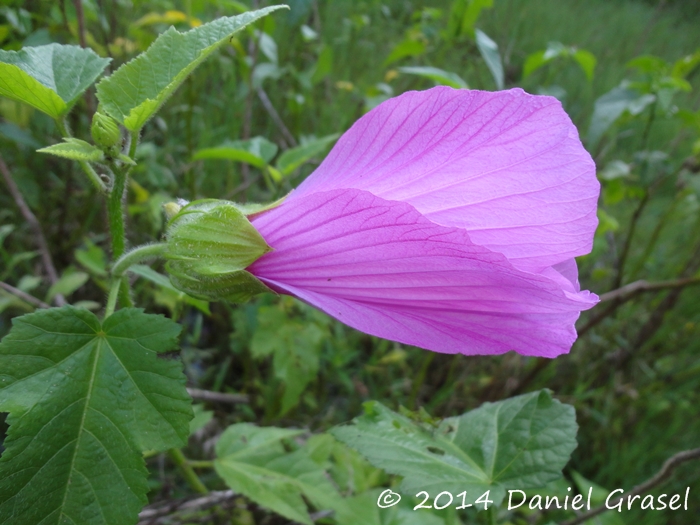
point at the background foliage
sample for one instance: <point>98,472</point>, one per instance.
<point>254,121</point>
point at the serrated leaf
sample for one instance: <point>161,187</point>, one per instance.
<point>520,443</point>
<point>295,157</point>
<point>49,78</point>
<point>75,149</point>
<point>85,399</point>
<point>257,151</point>
<point>135,92</point>
<point>252,461</point>
<point>439,76</point>
<point>489,51</point>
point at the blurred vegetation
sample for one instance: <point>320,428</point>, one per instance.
<point>634,374</point>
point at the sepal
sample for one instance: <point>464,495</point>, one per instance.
<point>210,244</point>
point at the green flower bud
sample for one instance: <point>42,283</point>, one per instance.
<point>105,133</point>
<point>210,244</point>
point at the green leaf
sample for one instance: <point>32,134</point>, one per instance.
<point>463,16</point>
<point>648,64</point>
<point>598,497</point>
<point>49,78</point>
<point>137,90</point>
<point>533,62</point>
<point>291,159</point>
<point>69,282</point>
<point>257,151</point>
<point>363,509</point>
<point>610,106</point>
<point>684,66</point>
<point>295,347</point>
<point>520,443</point>
<point>587,61</point>
<point>439,76</point>
<point>92,258</point>
<point>489,51</point>
<point>85,399</point>
<point>405,48</point>
<point>201,417</point>
<point>253,462</point>
<point>75,149</point>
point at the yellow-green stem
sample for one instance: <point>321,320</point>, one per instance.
<point>189,474</point>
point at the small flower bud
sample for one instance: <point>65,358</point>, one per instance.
<point>105,133</point>
<point>171,209</point>
<point>210,244</point>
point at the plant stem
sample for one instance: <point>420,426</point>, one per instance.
<point>112,299</point>
<point>491,515</point>
<point>200,464</point>
<point>116,214</point>
<point>87,168</point>
<point>190,475</point>
<point>137,255</point>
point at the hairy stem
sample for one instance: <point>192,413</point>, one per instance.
<point>137,255</point>
<point>112,298</point>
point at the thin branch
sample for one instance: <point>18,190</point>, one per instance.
<point>662,475</point>
<point>220,397</point>
<point>35,226</point>
<point>154,512</point>
<point>23,295</point>
<point>628,291</point>
<point>81,21</point>
<point>620,270</point>
<point>267,104</point>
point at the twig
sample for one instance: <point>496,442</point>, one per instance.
<point>628,291</point>
<point>620,272</point>
<point>206,395</point>
<point>267,104</point>
<point>662,475</point>
<point>23,295</point>
<point>81,21</point>
<point>35,226</point>
<point>154,512</point>
<point>151,515</point>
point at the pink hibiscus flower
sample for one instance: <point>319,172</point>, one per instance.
<point>445,219</point>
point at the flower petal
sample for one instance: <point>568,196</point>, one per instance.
<point>506,166</point>
<point>380,267</point>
